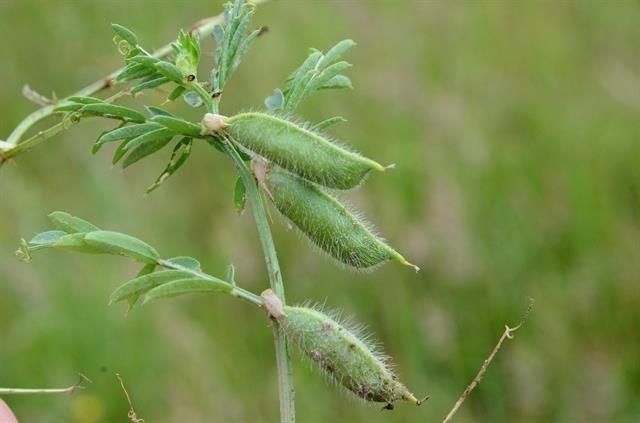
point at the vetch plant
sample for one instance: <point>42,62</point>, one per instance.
<point>296,166</point>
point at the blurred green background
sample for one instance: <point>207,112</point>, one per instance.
<point>515,127</point>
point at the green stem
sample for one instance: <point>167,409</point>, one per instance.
<point>236,290</point>
<point>283,357</point>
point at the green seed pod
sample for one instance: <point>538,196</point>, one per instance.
<point>328,223</point>
<point>344,356</point>
<point>300,150</point>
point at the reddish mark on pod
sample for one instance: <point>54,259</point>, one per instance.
<point>327,326</point>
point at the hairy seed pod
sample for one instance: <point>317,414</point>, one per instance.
<point>328,223</point>
<point>345,357</point>
<point>300,150</point>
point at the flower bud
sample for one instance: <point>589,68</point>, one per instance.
<point>212,123</point>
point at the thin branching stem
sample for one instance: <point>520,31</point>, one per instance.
<point>38,391</point>
<point>507,334</point>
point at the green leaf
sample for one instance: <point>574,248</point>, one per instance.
<point>179,156</point>
<point>144,60</point>
<point>186,262</point>
<point>298,91</point>
<point>114,110</point>
<point>68,107</point>
<point>218,33</point>
<point>130,131</point>
<point>186,286</point>
<point>71,224</point>
<point>244,47</point>
<point>149,137</point>
<point>179,126</point>
<point>47,238</point>
<point>192,99</point>
<point>135,71</point>
<point>171,71</point>
<point>338,81</point>
<point>335,53</point>
<point>177,92</point>
<point>143,283</point>
<point>157,81</point>
<point>85,99</point>
<point>239,196</point>
<point>310,63</point>
<point>122,244</point>
<point>327,74</point>
<point>76,242</point>
<point>145,150</point>
<point>120,151</point>
<point>327,123</point>
<point>275,101</point>
<point>126,34</point>
<point>155,111</point>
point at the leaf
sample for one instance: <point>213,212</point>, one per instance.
<point>192,99</point>
<point>155,111</point>
<point>131,300</point>
<point>76,242</point>
<point>310,63</point>
<point>177,92</point>
<point>179,156</point>
<point>185,286</point>
<point>68,107</point>
<point>327,123</point>
<point>178,125</point>
<point>275,101</point>
<point>298,92</point>
<point>231,274</point>
<point>328,73</point>
<point>130,131</point>
<point>186,262</point>
<point>335,52</point>
<point>47,238</point>
<point>114,110</point>
<point>145,150</point>
<point>71,224</point>
<point>338,81</point>
<point>148,137</point>
<point>120,151</point>
<point>122,244</point>
<point>218,33</point>
<point>144,60</point>
<point>171,71</point>
<point>239,196</point>
<point>126,34</point>
<point>143,283</point>
<point>150,84</point>
<point>135,71</point>
<point>245,46</point>
<point>85,99</point>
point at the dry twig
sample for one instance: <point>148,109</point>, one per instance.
<point>133,417</point>
<point>507,334</point>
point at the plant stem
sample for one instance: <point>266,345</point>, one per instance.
<point>236,290</point>
<point>33,391</point>
<point>283,357</point>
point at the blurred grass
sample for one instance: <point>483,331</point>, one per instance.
<point>515,129</point>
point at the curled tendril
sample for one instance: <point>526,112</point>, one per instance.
<point>124,48</point>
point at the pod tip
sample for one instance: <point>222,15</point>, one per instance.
<point>391,166</point>
<point>404,261</point>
